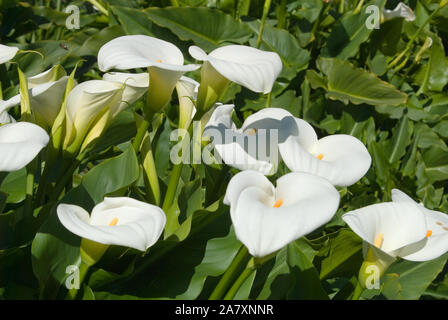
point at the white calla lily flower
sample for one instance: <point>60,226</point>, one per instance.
<point>435,243</point>
<point>401,228</point>
<point>266,218</point>
<point>249,67</point>
<point>400,11</point>
<point>340,158</point>
<point>7,53</point>
<point>256,143</point>
<point>164,61</point>
<point>19,144</point>
<point>46,92</point>
<point>388,227</point>
<point>118,221</point>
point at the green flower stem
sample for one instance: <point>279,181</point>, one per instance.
<point>172,187</point>
<point>281,14</point>
<point>151,179</point>
<point>267,6</point>
<point>99,6</point>
<point>157,255</point>
<point>31,169</point>
<point>269,99</point>
<point>175,177</point>
<point>341,6</point>
<point>414,37</point>
<point>174,3</point>
<point>357,292</point>
<point>229,276</point>
<point>358,7</point>
<point>68,174</point>
<point>239,282</point>
<point>83,270</point>
<point>141,131</point>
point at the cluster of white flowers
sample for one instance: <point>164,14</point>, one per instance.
<point>266,218</point>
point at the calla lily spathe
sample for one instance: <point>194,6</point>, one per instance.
<point>435,243</point>
<point>118,221</point>
<point>46,92</point>
<point>7,53</point>
<point>187,92</point>
<point>19,144</point>
<point>340,158</point>
<point>164,61</point>
<point>136,85</point>
<point>246,152</point>
<point>266,218</point>
<point>401,228</point>
<point>249,67</point>
<point>92,105</point>
<point>5,105</point>
<point>400,11</point>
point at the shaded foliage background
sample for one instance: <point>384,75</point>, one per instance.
<point>337,74</point>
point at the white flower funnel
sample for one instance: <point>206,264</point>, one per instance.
<point>255,145</point>
<point>19,144</point>
<point>340,158</point>
<point>435,243</point>
<point>7,53</point>
<point>116,221</point>
<point>268,218</point>
<point>249,67</point>
<point>136,86</point>
<point>402,228</point>
<point>187,91</point>
<point>86,104</point>
<point>164,61</point>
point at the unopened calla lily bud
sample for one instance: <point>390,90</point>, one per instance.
<point>187,91</point>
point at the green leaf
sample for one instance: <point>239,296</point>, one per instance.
<point>133,21</point>
<point>401,138</point>
<point>55,248</point>
<point>436,163</point>
<point>347,83</point>
<point>107,177</point>
<point>338,251</point>
<point>14,185</point>
<point>305,277</point>
<point>434,74</point>
<point>182,272</point>
<point>207,28</point>
<point>293,57</point>
<point>349,33</point>
<point>92,45</point>
<point>408,280</point>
